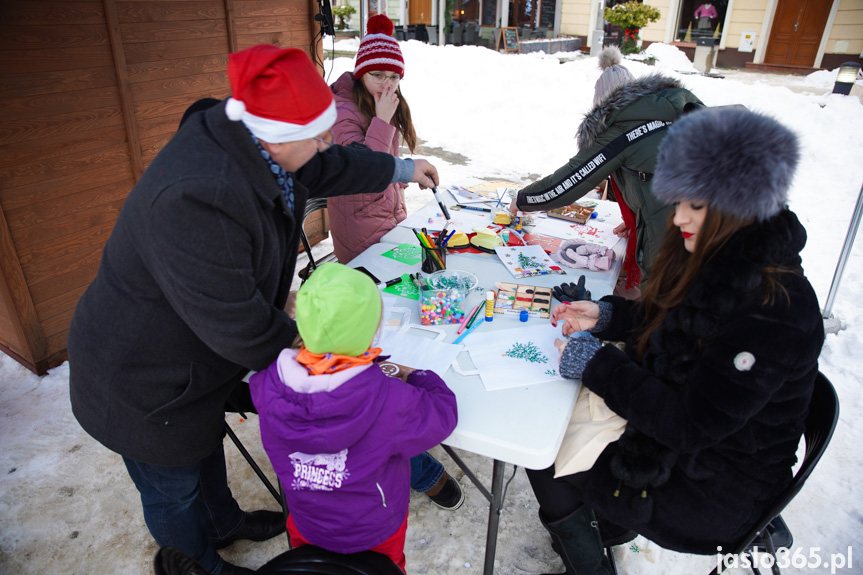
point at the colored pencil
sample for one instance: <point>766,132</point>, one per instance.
<point>428,244</point>
<point>466,318</point>
<point>475,315</point>
<point>500,199</point>
<point>467,333</point>
<point>451,234</point>
<point>441,236</point>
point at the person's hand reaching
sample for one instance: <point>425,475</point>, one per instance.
<point>575,316</point>
<point>425,174</point>
<point>621,231</point>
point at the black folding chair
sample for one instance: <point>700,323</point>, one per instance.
<point>306,559</point>
<point>240,402</point>
<point>820,424</point>
<point>312,205</point>
<point>314,560</point>
<point>771,532</point>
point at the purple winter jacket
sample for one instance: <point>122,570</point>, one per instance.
<point>359,220</point>
<point>341,445</point>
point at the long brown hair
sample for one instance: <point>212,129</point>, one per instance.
<point>675,269</point>
<point>401,120</point>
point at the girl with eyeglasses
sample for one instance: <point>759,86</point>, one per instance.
<point>373,112</point>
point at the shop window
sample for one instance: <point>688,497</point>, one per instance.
<point>546,13</point>
<point>522,13</point>
<point>489,12</point>
<point>466,11</point>
<point>700,19</point>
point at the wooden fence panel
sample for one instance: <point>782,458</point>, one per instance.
<point>91,92</point>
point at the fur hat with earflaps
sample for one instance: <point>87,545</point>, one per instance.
<point>734,160</point>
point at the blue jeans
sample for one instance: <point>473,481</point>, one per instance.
<point>186,506</point>
<point>426,471</point>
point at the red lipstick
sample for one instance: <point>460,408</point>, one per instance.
<point>686,235</point>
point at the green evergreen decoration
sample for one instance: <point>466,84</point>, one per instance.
<point>527,351</point>
<point>343,11</point>
<point>631,17</point>
<point>529,263</point>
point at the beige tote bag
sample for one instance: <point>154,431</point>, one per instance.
<point>592,427</point>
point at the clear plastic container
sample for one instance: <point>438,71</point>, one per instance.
<point>442,300</point>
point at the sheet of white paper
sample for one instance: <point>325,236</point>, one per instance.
<point>463,220</point>
<point>515,357</point>
<point>463,194</point>
<point>412,349</point>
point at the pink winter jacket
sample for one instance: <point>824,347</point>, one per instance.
<point>358,221</point>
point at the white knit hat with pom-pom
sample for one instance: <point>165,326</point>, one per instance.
<point>278,94</point>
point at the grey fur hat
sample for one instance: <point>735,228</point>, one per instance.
<point>732,159</point>
<point>613,74</point>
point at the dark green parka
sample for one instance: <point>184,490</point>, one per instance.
<point>611,143</point>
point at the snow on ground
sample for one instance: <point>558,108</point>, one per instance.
<point>67,505</point>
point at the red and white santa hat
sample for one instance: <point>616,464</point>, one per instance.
<point>378,50</point>
<point>278,94</point>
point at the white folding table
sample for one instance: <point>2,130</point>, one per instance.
<point>518,425</point>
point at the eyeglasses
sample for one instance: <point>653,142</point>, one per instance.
<point>327,140</point>
<point>380,77</point>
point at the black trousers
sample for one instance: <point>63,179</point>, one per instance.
<point>557,497</point>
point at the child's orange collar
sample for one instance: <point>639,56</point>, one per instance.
<point>325,363</point>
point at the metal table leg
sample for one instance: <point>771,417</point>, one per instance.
<point>494,512</point>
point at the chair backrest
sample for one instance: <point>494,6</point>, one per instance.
<point>457,34</point>
<point>312,205</point>
<point>470,33</point>
<point>820,424</point>
<point>311,560</point>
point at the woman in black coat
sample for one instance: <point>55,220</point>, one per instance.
<point>719,361</point>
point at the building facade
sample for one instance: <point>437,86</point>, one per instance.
<point>783,34</point>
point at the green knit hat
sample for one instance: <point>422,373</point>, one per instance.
<point>338,310</point>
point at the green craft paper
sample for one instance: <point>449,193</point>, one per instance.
<point>408,254</point>
<point>405,288</point>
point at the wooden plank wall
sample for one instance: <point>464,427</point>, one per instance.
<point>91,90</point>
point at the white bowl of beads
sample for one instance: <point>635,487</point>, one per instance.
<point>448,279</point>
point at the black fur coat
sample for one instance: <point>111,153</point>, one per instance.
<point>716,407</point>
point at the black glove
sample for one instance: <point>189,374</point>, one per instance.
<point>571,292</point>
